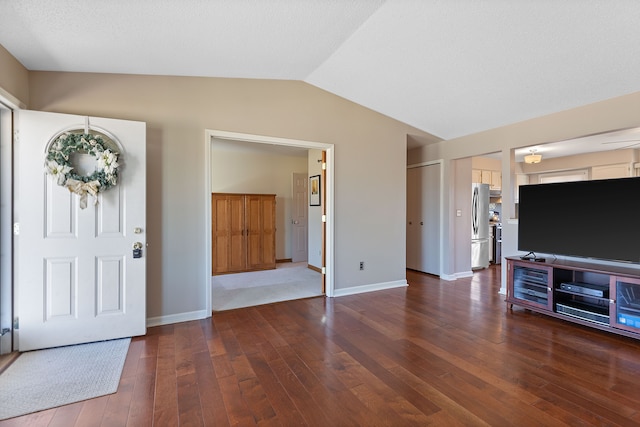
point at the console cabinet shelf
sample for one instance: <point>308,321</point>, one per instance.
<point>603,297</point>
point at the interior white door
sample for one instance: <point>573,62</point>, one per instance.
<point>414,215</point>
<point>299,218</point>
<point>423,218</point>
<point>77,280</point>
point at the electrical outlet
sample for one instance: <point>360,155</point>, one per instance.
<point>361,265</point>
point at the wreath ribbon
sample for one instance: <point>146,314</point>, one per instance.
<point>83,189</point>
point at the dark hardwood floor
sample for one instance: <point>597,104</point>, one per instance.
<point>441,353</point>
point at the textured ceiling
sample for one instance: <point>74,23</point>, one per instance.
<point>447,67</point>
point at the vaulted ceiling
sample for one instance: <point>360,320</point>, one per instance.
<point>447,67</point>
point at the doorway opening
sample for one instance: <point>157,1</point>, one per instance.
<point>238,176</point>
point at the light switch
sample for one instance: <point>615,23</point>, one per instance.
<point>459,212</point>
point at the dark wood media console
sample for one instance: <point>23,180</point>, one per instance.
<point>598,296</point>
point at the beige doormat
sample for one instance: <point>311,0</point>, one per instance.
<point>43,379</point>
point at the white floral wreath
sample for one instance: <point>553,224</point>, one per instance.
<point>58,165</point>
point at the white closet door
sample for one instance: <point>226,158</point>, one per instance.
<point>414,215</point>
<point>423,218</point>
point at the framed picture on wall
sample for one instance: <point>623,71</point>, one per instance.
<point>314,190</point>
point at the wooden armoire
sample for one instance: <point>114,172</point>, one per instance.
<point>243,232</point>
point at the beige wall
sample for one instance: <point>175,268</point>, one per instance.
<point>582,161</point>
<point>617,113</point>
<point>259,171</point>
<point>14,79</point>
<point>370,161</point>
<point>462,224</point>
<point>486,163</point>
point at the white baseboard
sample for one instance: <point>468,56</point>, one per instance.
<point>177,318</point>
<point>369,288</point>
<point>456,276</point>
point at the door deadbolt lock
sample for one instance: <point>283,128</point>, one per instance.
<point>137,250</point>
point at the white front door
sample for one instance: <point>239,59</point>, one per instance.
<point>300,246</point>
<point>77,280</point>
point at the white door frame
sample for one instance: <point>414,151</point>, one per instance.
<point>294,233</point>
<point>210,134</point>
<point>6,220</point>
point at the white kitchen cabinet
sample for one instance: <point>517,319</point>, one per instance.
<point>496,180</point>
<point>476,176</point>
<point>486,177</point>
<point>620,170</point>
<point>482,176</point>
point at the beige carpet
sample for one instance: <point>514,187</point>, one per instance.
<point>287,282</point>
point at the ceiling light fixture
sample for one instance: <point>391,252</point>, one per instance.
<point>532,158</point>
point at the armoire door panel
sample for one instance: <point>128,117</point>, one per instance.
<point>268,238</point>
<point>237,246</point>
<point>254,226</point>
<point>221,235</point>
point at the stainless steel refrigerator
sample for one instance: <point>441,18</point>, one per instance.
<point>479,226</point>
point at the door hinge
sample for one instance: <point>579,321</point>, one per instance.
<point>16,136</point>
<point>324,166</point>
<point>324,218</point>
<point>16,228</point>
<point>16,323</point>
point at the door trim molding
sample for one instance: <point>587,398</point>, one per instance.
<point>210,135</point>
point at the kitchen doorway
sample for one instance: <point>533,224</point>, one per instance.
<point>486,171</point>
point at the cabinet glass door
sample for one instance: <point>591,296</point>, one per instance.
<point>627,304</point>
<point>531,285</point>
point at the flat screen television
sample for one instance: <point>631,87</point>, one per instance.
<point>589,219</point>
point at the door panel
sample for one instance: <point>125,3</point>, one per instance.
<point>60,287</point>
<point>414,206</point>
<point>110,214</point>
<point>268,231</point>
<point>221,235</point>
<point>254,231</point>
<point>110,285</point>
<point>60,215</point>
<point>260,216</point>
<point>77,280</point>
<point>423,219</point>
<point>300,235</point>
<point>431,218</point>
<point>238,247</point>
